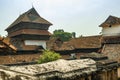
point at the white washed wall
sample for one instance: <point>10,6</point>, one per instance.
<point>111,31</point>
<point>36,42</point>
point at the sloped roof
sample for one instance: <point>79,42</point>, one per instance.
<point>99,58</point>
<point>64,46</point>
<point>4,43</point>
<point>76,43</point>
<point>30,16</point>
<point>30,31</point>
<point>111,20</point>
<point>93,55</point>
<point>18,58</point>
<point>58,45</point>
<point>32,47</point>
<point>111,39</point>
<point>60,68</point>
<point>86,42</point>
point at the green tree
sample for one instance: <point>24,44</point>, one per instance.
<point>64,36</point>
<point>73,35</point>
<point>48,56</point>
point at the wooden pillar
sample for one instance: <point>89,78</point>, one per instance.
<point>112,74</point>
<point>89,77</point>
<point>101,76</point>
<point>82,78</point>
<point>104,75</point>
<point>108,75</point>
<point>118,70</point>
<point>115,74</point>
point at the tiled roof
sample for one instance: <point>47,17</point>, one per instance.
<point>59,45</point>
<point>52,42</point>
<point>101,59</point>
<point>13,59</point>
<point>4,43</point>
<point>111,20</point>
<point>111,39</point>
<point>86,42</point>
<point>76,43</point>
<point>30,31</point>
<point>32,47</point>
<point>64,46</point>
<point>30,16</point>
<point>62,69</point>
<point>93,55</point>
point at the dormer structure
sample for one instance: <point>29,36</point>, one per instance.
<point>29,31</point>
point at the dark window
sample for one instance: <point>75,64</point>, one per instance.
<point>110,25</point>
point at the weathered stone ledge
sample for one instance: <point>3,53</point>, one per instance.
<point>60,69</point>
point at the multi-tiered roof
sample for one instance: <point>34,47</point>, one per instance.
<point>29,23</point>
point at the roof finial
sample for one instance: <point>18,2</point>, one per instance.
<point>32,5</point>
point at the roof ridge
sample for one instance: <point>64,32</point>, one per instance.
<point>111,20</point>
<point>33,17</point>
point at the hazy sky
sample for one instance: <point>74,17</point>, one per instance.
<point>80,16</point>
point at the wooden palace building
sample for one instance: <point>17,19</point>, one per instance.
<point>29,31</point>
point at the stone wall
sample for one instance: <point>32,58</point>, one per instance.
<point>113,52</point>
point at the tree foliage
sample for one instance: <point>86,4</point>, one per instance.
<point>64,36</point>
<point>48,56</point>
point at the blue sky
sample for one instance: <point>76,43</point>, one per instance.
<point>80,16</point>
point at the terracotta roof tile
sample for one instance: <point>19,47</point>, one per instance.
<point>58,45</point>
<point>13,59</point>
<point>29,47</point>
<point>76,43</point>
<point>4,43</point>
<point>63,47</point>
<point>86,42</point>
